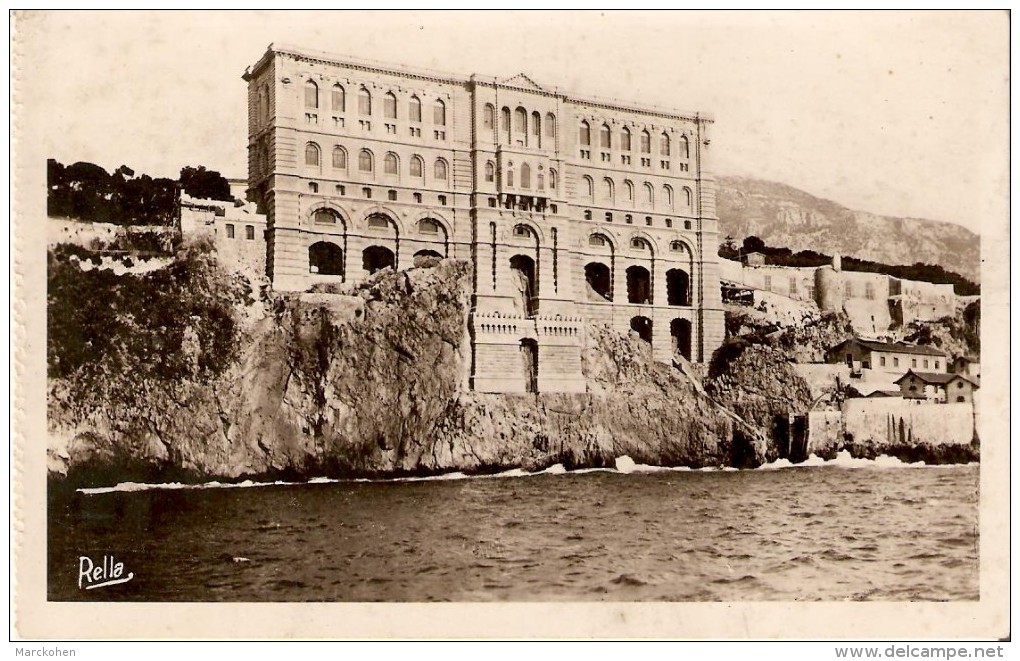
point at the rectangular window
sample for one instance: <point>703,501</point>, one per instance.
<point>391,129</point>
<point>341,189</point>
<point>913,362</point>
<point>492,202</point>
<point>230,231</point>
<point>606,158</point>
<point>936,364</point>
<point>646,162</point>
<point>417,198</point>
<point>895,361</point>
<point>881,361</point>
<point>869,291</point>
<point>793,285</point>
<point>415,132</point>
<point>392,195</point>
<point>926,363</point>
<point>367,192</point>
<point>664,165</point>
<point>552,208</point>
<point>365,124</point>
<point>625,159</point>
<point>440,135</point>
<point>338,122</point>
<point>609,216</point>
<point>768,282</point>
<point>585,154</point>
<point>442,200</point>
<point>249,232</point>
<point>311,118</point>
<point>684,167</point>
<point>390,107</point>
<point>866,364</point>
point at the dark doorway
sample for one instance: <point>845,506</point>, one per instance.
<point>377,258</point>
<point>529,362</point>
<point>680,333</point>
<point>678,287</point>
<point>639,285</point>
<point>426,258</point>
<point>325,258</point>
<point>523,284</point>
<point>599,282</point>
<point>643,327</point>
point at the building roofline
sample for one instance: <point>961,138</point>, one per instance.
<point>450,78</point>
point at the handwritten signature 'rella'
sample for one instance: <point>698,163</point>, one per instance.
<point>108,572</point>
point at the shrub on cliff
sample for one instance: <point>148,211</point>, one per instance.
<point>119,332</point>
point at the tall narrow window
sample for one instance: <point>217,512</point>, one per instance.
<point>364,102</point>
<point>339,158</point>
<point>664,144</point>
<point>625,139</point>
<point>390,165</point>
<point>589,187</point>
<point>440,169</point>
<point>628,190</point>
<point>605,139</point>
<point>312,154</point>
<point>505,122</point>
<point>552,179</point>
<point>525,176</point>
<point>510,178</point>
<point>585,136</point>
<point>649,194</point>
<point>607,189</point>
<point>646,142</point>
<point>339,98</point>
<point>685,147</point>
<point>439,113</point>
<point>414,109</point>
<point>311,94</point>
<point>541,181</point>
<point>667,196</point>
<point>550,125</point>
<point>688,197</point>
<point>490,171</point>
<point>536,129</point>
<point>488,116</point>
<point>365,160</point>
<point>390,106</point>
<point>417,166</point>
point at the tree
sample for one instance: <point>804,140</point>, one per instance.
<point>753,244</point>
<point>205,184</point>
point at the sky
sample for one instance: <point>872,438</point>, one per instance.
<point>897,113</point>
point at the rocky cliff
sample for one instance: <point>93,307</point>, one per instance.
<point>785,216</point>
<point>191,374</point>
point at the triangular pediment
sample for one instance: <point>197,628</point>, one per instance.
<point>522,81</point>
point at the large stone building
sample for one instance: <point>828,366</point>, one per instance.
<point>572,210</point>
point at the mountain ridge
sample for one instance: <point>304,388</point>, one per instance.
<point>785,216</point>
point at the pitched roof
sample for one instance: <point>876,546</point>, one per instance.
<point>893,347</point>
<point>936,378</point>
<point>885,393</point>
<point>521,80</point>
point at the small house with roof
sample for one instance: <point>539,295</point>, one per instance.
<point>937,387</point>
<point>966,366</point>
<point>891,357</point>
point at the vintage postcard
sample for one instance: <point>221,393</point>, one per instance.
<point>443,324</point>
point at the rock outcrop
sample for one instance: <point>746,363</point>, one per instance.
<point>367,380</point>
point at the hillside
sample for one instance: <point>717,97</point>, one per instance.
<point>785,216</point>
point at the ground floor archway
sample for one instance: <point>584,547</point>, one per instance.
<point>377,258</point>
<point>524,284</point>
<point>599,280</point>
<point>643,327</point>
<point>639,285</point>
<point>325,258</point>
<point>678,287</point>
<point>680,337</point>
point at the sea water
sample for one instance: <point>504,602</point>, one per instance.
<point>841,530</point>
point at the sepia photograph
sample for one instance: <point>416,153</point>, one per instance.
<point>553,310</point>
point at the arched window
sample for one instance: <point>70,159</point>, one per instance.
<point>541,181</point>
<point>364,102</point>
<point>440,169</point>
<point>667,196</point>
<point>607,189</point>
<point>505,122</point>
<point>646,142</point>
<point>685,147</point>
<point>520,121</point>
<point>439,113</point>
<point>688,197</point>
<point>649,194</point>
<point>510,178</point>
<point>605,138</point>
<point>311,94</point>
<point>428,226</point>
<point>525,176</point>
<point>324,217</point>
<point>262,104</point>
<point>589,187</point>
<point>664,144</point>
<point>365,160</point>
<point>390,165</point>
<point>628,190</point>
<point>417,166</point>
<point>490,171</point>
<point>625,139</point>
<point>550,125</point>
<point>585,136</point>
<point>339,98</point>
<point>414,109</point>
<point>552,179</point>
<point>390,106</point>
<point>488,116</point>
<point>312,154</point>
<point>339,158</point>
<point>536,128</point>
